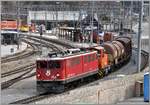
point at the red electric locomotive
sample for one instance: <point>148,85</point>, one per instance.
<point>55,72</point>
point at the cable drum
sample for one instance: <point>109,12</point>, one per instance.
<point>110,49</point>
<point>120,48</point>
<point>126,42</point>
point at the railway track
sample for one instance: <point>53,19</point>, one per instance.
<point>28,68</point>
<point>26,53</point>
<point>45,43</point>
<point>40,97</point>
<point>43,96</point>
<point>32,99</point>
<point>18,70</point>
<point>10,82</point>
<point>54,41</point>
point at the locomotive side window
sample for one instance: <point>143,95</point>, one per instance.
<point>41,64</point>
<point>74,61</point>
<point>92,57</point>
<point>78,61</point>
<point>89,58</point>
<point>85,59</point>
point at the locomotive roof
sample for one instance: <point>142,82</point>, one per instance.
<point>67,56</point>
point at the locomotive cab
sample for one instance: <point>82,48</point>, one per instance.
<point>53,74</point>
<point>49,70</point>
<point>102,57</point>
<point>49,74</point>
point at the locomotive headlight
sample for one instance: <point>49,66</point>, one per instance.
<point>57,75</point>
<point>38,75</point>
<point>48,73</point>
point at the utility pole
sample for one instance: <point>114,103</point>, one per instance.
<point>149,40</point>
<point>35,18</point>
<point>41,33</point>
<point>91,37</point>
<point>45,20</point>
<point>121,16</point>
<point>74,20</point>
<point>56,7</point>
<point>131,11</point>
<point>149,49</point>
<point>139,36</point>
<point>18,24</point>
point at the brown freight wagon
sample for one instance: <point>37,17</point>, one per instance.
<point>126,41</point>
<point>108,37</point>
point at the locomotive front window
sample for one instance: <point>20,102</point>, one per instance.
<point>41,64</point>
<point>53,64</point>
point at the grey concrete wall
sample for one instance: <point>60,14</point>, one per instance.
<point>105,92</point>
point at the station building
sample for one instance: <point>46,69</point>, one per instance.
<point>9,37</point>
<point>9,32</point>
<point>51,18</point>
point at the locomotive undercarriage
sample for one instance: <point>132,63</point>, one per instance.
<point>61,86</point>
<point>50,86</point>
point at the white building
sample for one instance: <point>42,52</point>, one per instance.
<point>53,15</point>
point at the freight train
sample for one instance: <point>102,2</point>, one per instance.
<point>58,70</point>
